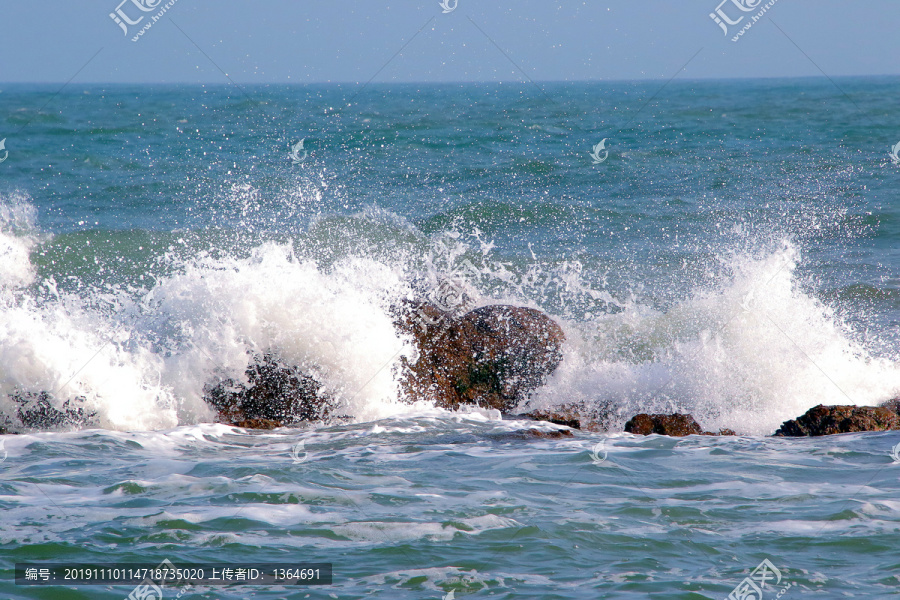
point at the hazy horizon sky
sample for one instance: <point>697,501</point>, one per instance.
<point>280,41</point>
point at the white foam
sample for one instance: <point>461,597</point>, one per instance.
<point>749,354</point>
<point>17,237</point>
<point>746,353</point>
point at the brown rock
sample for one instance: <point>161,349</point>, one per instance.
<point>275,394</point>
<point>258,424</point>
<point>492,357</point>
<point>893,405</point>
<point>554,435</point>
<point>530,434</point>
<point>576,416</point>
<point>829,420</point>
<point>676,425</point>
<point>722,432</point>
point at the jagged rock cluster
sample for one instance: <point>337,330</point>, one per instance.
<point>491,357</point>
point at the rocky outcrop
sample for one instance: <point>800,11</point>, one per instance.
<point>829,420</point>
<point>893,405</point>
<point>42,411</point>
<point>546,435</point>
<point>576,416</point>
<point>274,395</point>
<point>675,425</point>
<point>491,357</point>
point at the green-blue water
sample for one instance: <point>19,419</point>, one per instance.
<point>734,256</point>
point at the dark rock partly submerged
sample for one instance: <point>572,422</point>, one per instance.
<point>675,425</point>
<point>274,395</point>
<point>830,420</point>
<point>43,411</point>
<point>576,416</point>
<point>492,357</point>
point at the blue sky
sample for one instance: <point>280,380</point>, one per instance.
<point>338,40</point>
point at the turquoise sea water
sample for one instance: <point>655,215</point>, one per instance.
<point>734,256</point>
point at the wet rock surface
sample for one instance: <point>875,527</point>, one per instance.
<point>274,395</point>
<point>576,416</point>
<point>830,420</point>
<point>675,425</point>
<point>42,411</point>
<point>492,357</point>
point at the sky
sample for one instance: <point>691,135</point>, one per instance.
<point>301,41</point>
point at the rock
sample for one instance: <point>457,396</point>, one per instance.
<point>258,424</point>
<point>722,432</point>
<point>829,420</point>
<point>276,395</point>
<point>531,434</point>
<point>492,357</point>
<point>676,425</point>
<point>893,405</point>
<point>553,435</point>
<point>576,416</point>
<point>40,410</point>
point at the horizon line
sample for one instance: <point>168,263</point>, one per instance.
<point>459,82</point>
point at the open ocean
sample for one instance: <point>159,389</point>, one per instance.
<point>733,252</point>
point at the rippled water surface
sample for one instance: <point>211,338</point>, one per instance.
<point>735,256</point>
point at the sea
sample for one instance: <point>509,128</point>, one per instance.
<point>724,248</point>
